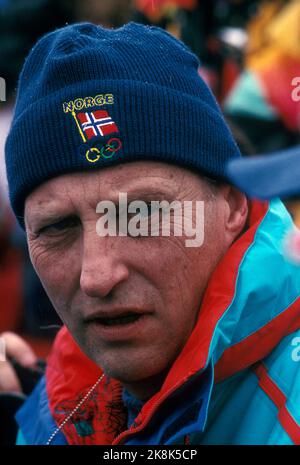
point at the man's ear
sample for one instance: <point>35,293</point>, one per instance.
<point>236,211</point>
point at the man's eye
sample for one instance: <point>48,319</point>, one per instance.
<point>60,226</point>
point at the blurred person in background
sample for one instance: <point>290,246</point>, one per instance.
<point>201,24</point>
<point>261,102</point>
<point>105,12</point>
<point>22,22</point>
<point>267,177</point>
<point>10,274</point>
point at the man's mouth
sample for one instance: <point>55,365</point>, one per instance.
<point>115,317</point>
<point>118,324</point>
<point>121,320</point>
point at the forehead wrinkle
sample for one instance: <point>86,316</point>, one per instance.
<point>143,186</point>
<point>90,195</point>
<point>43,203</point>
<point>50,199</point>
<point>129,177</point>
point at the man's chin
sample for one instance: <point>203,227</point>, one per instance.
<point>129,363</point>
<point>139,378</point>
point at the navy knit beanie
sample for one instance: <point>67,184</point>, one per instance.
<point>91,97</point>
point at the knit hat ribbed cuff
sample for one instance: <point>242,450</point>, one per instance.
<point>91,97</point>
<point>153,123</point>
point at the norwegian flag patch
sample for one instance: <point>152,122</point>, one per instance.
<point>96,123</point>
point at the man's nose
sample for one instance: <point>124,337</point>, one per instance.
<point>102,268</point>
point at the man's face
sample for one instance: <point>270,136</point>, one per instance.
<point>92,280</point>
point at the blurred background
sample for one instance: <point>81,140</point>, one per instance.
<point>250,56</point>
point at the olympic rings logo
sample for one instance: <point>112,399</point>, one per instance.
<point>107,151</point>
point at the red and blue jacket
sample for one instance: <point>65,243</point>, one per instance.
<point>236,381</point>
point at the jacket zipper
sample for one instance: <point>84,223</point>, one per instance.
<point>126,434</point>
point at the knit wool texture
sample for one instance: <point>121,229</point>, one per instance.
<point>151,105</point>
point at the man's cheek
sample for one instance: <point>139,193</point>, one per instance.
<point>54,278</point>
<point>40,257</point>
<point>56,274</point>
<point>57,289</point>
<point>54,264</point>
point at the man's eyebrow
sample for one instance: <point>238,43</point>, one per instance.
<point>41,216</point>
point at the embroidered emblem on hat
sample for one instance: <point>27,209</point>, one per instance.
<point>88,102</point>
<point>106,151</point>
<point>95,123</point>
